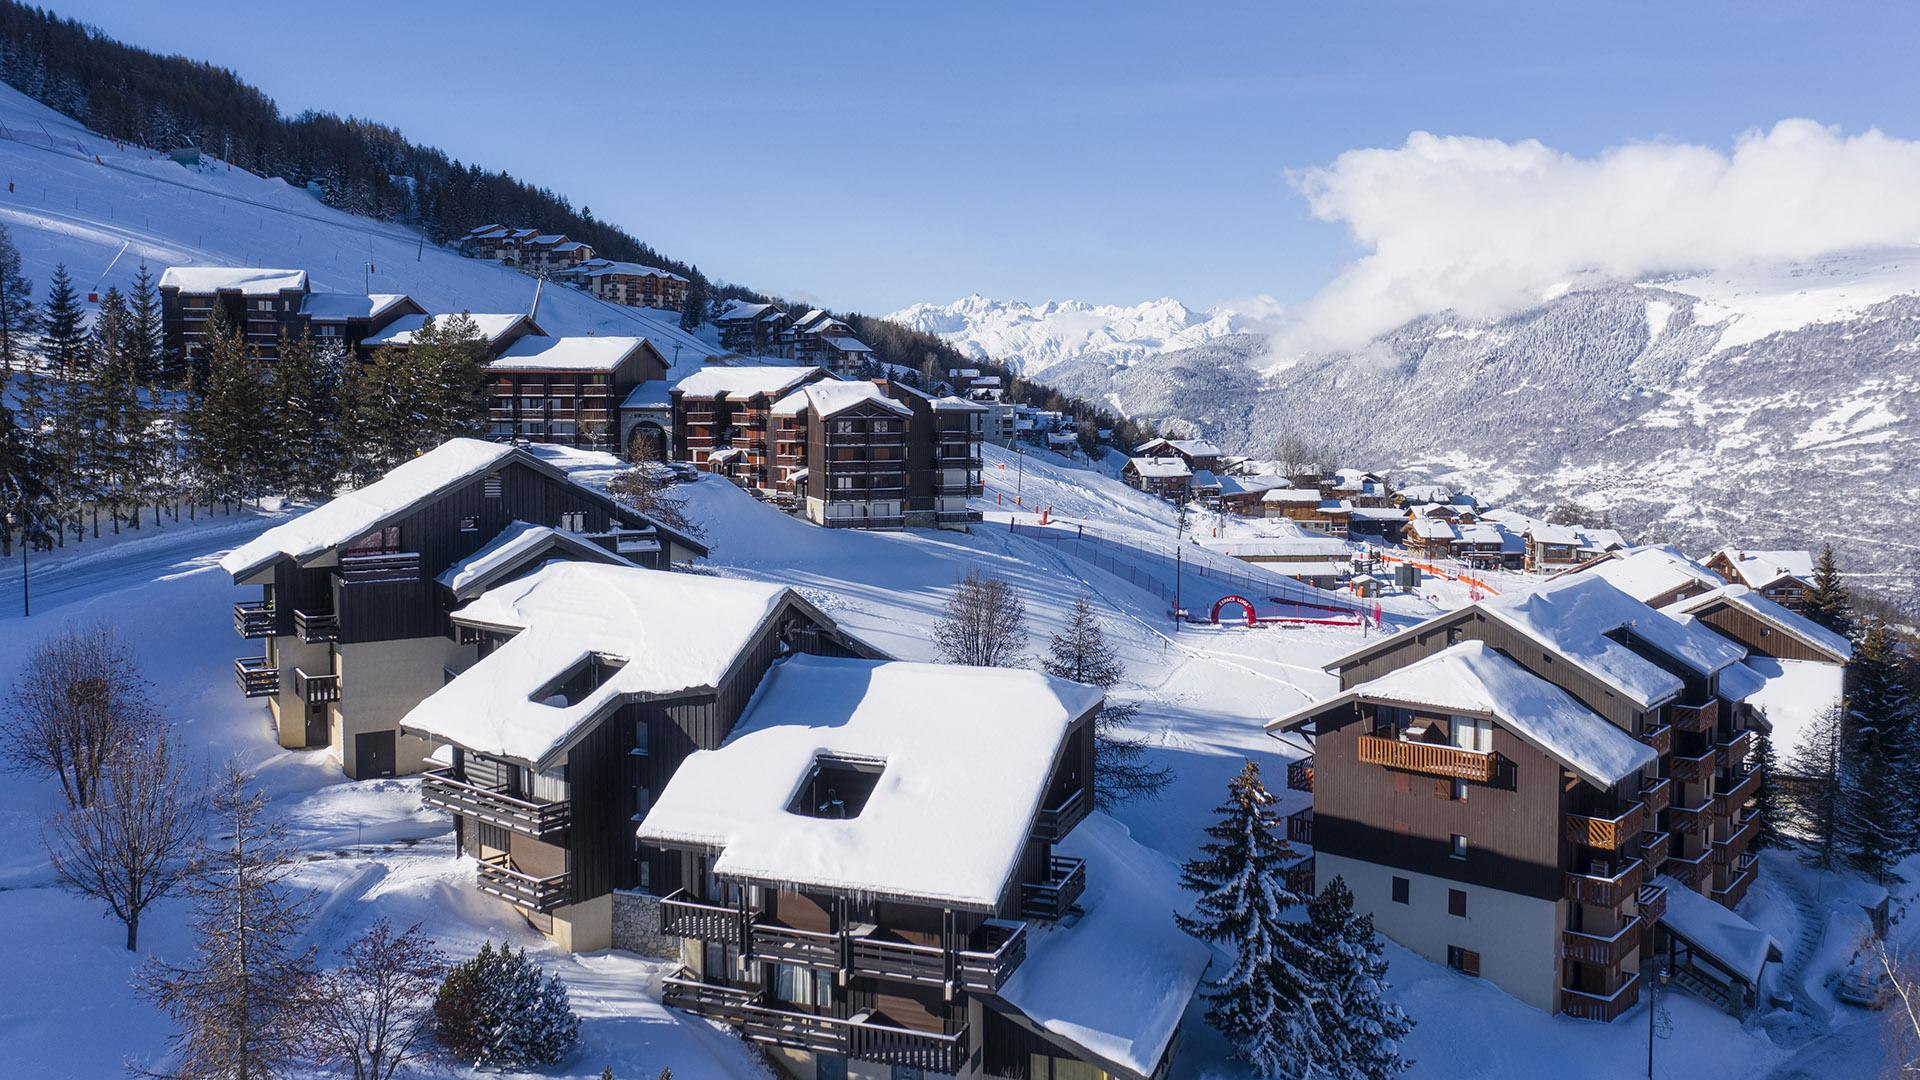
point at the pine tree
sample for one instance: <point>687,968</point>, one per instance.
<point>1768,814</point>
<point>446,376</point>
<point>373,415</point>
<point>19,318</point>
<point>1873,822</point>
<point>1240,876</point>
<point>237,1002</point>
<point>63,328</point>
<point>146,339</point>
<point>1358,1031</point>
<point>1082,654</point>
<point>1828,601</point>
<point>1815,793</point>
<point>306,459</point>
<point>497,1011</point>
<point>231,437</point>
<point>693,310</point>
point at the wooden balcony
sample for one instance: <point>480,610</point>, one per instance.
<point>1300,827</point>
<point>1606,1008</point>
<point>1606,950</point>
<point>316,626</point>
<point>1730,850</point>
<point>1744,786</point>
<point>997,948</point>
<point>1694,770</point>
<point>906,1048</point>
<point>1733,752</point>
<point>1691,870</point>
<point>1427,758</point>
<point>316,688</point>
<point>390,566</point>
<point>724,1003</point>
<point>1606,891</point>
<point>984,966</point>
<point>1652,903</point>
<point>1299,877</point>
<point>1653,850</point>
<point>682,915</point>
<point>1689,819</point>
<point>1053,898</point>
<point>447,790</point>
<point>1660,737</point>
<point>863,1036</point>
<point>1736,888</point>
<point>1696,717</point>
<point>1656,794</point>
<point>775,943</point>
<point>498,877</point>
<point>1300,775</point>
<point>253,619</point>
<point>257,676</point>
<point>1055,821</point>
<point>1608,833</point>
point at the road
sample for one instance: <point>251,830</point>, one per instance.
<point>88,569</point>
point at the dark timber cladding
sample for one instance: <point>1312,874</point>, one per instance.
<point>1758,635</point>
<point>1406,819</point>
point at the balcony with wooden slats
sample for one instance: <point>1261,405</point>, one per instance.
<point>1300,775</point>
<point>1698,718</point>
<point>1691,869</point>
<point>1694,770</point>
<point>1058,818</point>
<point>1608,833</point>
<point>684,915</point>
<point>1733,752</point>
<point>316,688</point>
<point>1735,890</point>
<point>1652,902</point>
<point>1605,950</point>
<point>1730,850</point>
<point>865,1036</point>
<point>1583,1005</point>
<point>257,676</point>
<point>314,627</point>
<point>1737,790</point>
<point>1660,737</point>
<point>1052,898</point>
<point>498,876</point>
<point>1300,827</point>
<point>774,942</point>
<point>446,789</point>
<point>1654,847</point>
<point>253,619</point>
<point>1656,793</point>
<point>1429,758</point>
<point>1607,887</point>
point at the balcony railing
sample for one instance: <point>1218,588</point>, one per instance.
<point>1735,845</point>
<point>1744,786</point>
<point>1690,869</point>
<point>1300,827</point>
<point>772,942</point>
<point>1735,889</point>
<point>1697,717</point>
<point>1653,849</point>
<point>446,790</point>
<point>1607,950</point>
<point>1427,758</point>
<point>497,876</point>
<point>1660,737</point>
<point>682,915</point>
<point>1054,822</point>
<point>316,626</point>
<point>1053,898</point>
<point>1299,877</point>
<point>257,676</point>
<point>1610,833</point>
<point>253,619</point>
<point>1604,890</point>
<point>1582,1005</point>
<point>392,566</point>
<point>1652,903</point>
<point>1656,793</point>
<point>862,1036</point>
<point>1694,770</point>
<point>316,688</point>
<point>906,1048</point>
<point>1734,751</point>
<point>1300,774</point>
<point>1689,819</point>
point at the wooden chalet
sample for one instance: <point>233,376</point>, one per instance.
<point>1166,477</point>
<point>1430,537</point>
<point>1300,504</point>
<point>756,329</point>
<point>855,453</point>
<point>1763,626</point>
<point>1780,576</point>
<point>355,595</point>
<point>265,306</point>
<point>567,390</point>
<point>1551,548</point>
<point>1657,576</point>
<point>1199,454</point>
<point>1516,788</point>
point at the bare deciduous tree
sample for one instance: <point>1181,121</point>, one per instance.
<point>984,625</point>
<point>374,1013</point>
<point>1296,455</point>
<point>648,487</point>
<point>237,1003</point>
<point>136,843</point>
<point>79,700</point>
<point>1902,1024</point>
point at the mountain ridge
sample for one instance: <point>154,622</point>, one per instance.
<point>1030,338</point>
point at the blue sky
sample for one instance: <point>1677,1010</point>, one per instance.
<point>875,155</point>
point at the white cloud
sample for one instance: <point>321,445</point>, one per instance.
<point>1484,227</point>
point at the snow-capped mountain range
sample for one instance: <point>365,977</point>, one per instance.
<point>1030,338</point>
<point>1771,406</point>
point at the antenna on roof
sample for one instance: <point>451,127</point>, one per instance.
<point>538,284</point>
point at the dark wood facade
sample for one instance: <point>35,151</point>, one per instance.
<point>572,407</point>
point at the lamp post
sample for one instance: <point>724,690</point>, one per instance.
<point>1659,975</point>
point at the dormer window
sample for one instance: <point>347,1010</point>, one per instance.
<point>579,681</point>
<point>836,786</point>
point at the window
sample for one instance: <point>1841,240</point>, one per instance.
<point>642,801</point>
<point>642,737</point>
<point>1457,902</point>
<point>1047,1067</point>
<point>1464,961</point>
<point>469,524</point>
<point>796,985</point>
<point>1459,793</point>
<point>1401,887</point>
<point>1459,846</point>
<point>573,521</point>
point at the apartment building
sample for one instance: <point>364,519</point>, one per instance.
<point>567,390</point>
<point>354,595</point>
<point>499,331</point>
<point>1518,788</point>
<point>755,329</point>
<point>266,305</point>
<point>634,285</point>
<point>852,440</point>
<point>722,420</point>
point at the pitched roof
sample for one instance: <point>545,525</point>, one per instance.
<point>247,280</point>
<point>955,744</point>
<point>515,546</point>
<point>1736,944</point>
<point>536,352</point>
<point>1762,568</point>
<point>492,327</point>
<point>339,307</point>
<point>1160,468</point>
<point>743,381</point>
<point>829,397</point>
<point>1649,572</point>
<point>1779,617</point>
<point>1292,495</point>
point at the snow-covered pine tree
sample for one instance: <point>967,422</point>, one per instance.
<point>1829,602</point>
<point>498,1011</point>
<point>1873,825</point>
<point>237,1002</point>
<point>19,318</point>
<point>1082,653</point>
<point>146,338</point>
<point>1814,796</point>
<point>1358,1030</point>
<point>447,375</point>
<point>230,418</point>
<point>693,310</point>
<point>306,457</point>
<point>1769,814</point>
<point>63,331</point>
<point>1240,876</point>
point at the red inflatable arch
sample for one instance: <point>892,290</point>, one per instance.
<point>1241,600</point>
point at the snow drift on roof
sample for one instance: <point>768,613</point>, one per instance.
<point>1145,969</point>
<point>1653,571</point>
<point>1796,693</point>
<point>1167,468</point>
<point>743,381</point>
<point>1292,495</point>
<point>651,394</point>
<point>1736,943</point>
<point>350,516</point>
<point>847,344</point>
<point>517,542</point>
<point>960,745</point>
<point>249,280</point>
<point>400,332</point>
<point>831,396</point>
<point>539,353</point>
<point>1762,568</point>
<point>1738,682</point>
<point>627,269</point>
<point>674,632</point>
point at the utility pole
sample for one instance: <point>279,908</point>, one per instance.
<point>26,601</point>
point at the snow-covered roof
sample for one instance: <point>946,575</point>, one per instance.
<point>669,632</point>
<point>627,269</point>
<point>1781,618</point>
<point>1733,942</point>
<point>1573,615</point>
<point>1146,970</point>
<point>1056,438</point>
<point>651,394</point>
<point>1432,529</point>
<point>745,381</point>
<point>1292,495</point>
<point>1472,679</point>
<point>1738,682</point>
<point>1759,569</point>
<point>1797,693</point>
<point>1480,533</point>
<point>958,404</point>
<point>548,239</point>
<point>1379,513</point>
<point>831,396</point>
<point>537,352</point>
<point>1335,506</point>
<point>514,546</point>
<point>1281,547</point>
<point>1167,468</point>
<point>339,307</point>
<point>1188,447</point>
<point>743,311</point>
<point>351,516</point>
<point>1544,533</point>
<point>247,280</point>
<point>492,327</point>
<point>846,344</point>
<point>956,744</point>
<point>1202,478</point>
<point>1601,540</point>
<point>1650,572</point>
